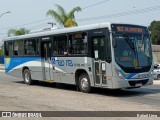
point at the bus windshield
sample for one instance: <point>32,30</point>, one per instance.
<point>132,50</point>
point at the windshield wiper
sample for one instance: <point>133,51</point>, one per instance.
<point>130,43</point>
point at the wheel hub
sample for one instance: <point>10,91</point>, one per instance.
<point>84,83</point>
<point>27,77</point>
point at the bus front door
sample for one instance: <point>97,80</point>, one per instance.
<point>46,60</point>
<point>99,61</point>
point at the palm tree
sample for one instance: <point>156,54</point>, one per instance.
<point>63,18</point>
<point>16,32</point>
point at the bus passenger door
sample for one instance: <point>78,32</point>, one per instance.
<point>46,60</point>
<point>100,64</point>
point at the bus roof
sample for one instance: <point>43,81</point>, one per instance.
<point>63,31</point>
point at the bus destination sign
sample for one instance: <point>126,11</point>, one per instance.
<point>128,29</point>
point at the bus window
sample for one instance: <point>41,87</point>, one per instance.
<point>18,48</point>
<point>55,49</point>
<point>38,47</point>
<point>62,48</point>
<point>30,47</point>
<point>6,46</point>
<point>10,48</point>
<point>78,43</point>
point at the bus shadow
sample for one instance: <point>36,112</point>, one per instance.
<point>126,92</point>
<point>101,91</point>
<point>57,86</point>
<point>52,85</point>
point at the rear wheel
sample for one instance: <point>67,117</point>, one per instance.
<point>84,83</point>
<point>27,77</point>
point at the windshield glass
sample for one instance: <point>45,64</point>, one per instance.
<point>132,50</point>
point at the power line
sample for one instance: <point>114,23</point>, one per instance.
<point>95,4</point>
<point>144,10</point>
<point>25,24</point>
<point>49,18</point>
<point>31,28</point>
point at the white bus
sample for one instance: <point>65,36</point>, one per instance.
<point>105,55</point>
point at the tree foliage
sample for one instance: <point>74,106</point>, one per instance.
<point>62,17</point>
<point>1,52</point>
<point>16,32</point>
<point>155,32</point>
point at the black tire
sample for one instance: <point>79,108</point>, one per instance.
<point>158,77</point>
<point>84,83</point>
<point>27,77</point>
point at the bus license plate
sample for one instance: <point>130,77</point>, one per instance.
<point>138,84</point>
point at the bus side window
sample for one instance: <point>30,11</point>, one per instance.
<point>78,43</point>
<point>6,46</point>
<point>62,45</point>
<point>15,52</point>
<point>55,49</point>
<point>10,49</point>
<point>30,47</point>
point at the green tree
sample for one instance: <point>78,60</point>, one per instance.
<point>62,17</point>
<point>155,32</point>
<point>16,32</point>
<point>1,52</point>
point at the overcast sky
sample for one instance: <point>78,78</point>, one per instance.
<point>31,14</point>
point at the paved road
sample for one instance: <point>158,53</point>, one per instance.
<point>16,96</point>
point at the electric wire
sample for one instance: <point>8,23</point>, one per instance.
<point>120,14</point>
<point>49,18</point>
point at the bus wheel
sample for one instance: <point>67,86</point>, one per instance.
<point>27,77</point>
<point>84,83</point>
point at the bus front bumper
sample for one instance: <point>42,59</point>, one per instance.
<point>130,83</point>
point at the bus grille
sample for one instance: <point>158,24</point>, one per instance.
<point>133,83</point>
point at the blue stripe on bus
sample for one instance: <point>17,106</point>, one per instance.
<point>128,75</point>
<point>11,63</point>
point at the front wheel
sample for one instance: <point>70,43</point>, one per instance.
<point>27,77</point>
<point>84,83</point>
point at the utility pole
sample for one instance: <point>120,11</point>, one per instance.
<point>52,24</point>
<point>0,17</point>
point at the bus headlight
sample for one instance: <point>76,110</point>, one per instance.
<point>119,74</point>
